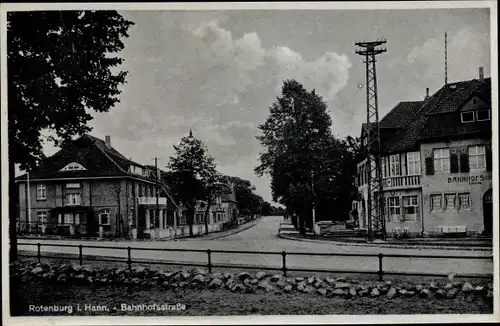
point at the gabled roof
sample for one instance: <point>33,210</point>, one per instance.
<point>92,153</point>
<point>448,99</point>
<point>400,115</point>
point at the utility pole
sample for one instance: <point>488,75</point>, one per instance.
<point>376,221</point>
<point>157,215</point>
<point>313,203</point>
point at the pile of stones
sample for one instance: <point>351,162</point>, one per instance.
<point>242,282</point>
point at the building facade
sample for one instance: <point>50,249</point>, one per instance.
<point>89,189</point>
<point>436,163</point>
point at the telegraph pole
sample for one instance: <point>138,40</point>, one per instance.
<point>375,209</point>
<point>157,215</point>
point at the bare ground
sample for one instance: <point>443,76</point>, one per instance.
<point>223,302</point>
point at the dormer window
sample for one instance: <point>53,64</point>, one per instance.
<point>73,167</point>
<point>467,117</point>
<point>483,115</point>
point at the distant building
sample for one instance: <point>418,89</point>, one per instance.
<point>436,163</point>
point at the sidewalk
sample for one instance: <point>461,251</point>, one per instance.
<point>472,244</point>
<point>222,234</point>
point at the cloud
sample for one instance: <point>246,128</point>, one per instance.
<point>467,51</point>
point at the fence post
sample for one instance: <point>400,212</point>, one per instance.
<point>209,265</point>
<point>283,254</point>
<point>39,254</point>
<point>380,270</point>
<point>129,258</point>
<point>80,251</point>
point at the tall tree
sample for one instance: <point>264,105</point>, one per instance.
<point>294,139</point>
<point>61,66</point>
<point>191,170</point>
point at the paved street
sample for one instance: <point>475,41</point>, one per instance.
<point>263,237</point>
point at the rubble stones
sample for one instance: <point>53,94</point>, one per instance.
<point>467,287</point>
<point>215,283</point>
<point>391,293</point>
<point>243,282</point>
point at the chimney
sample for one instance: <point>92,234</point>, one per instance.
<point>481,73</point>
<point>107,140</point>
<point>427,93</point>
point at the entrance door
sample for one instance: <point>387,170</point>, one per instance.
<point>488,211</point>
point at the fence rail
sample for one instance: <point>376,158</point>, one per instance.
<point>209,265</point>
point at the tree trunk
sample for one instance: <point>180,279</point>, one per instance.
<point>13,195</point>
<point>207,214</point>
<point>190,221</point>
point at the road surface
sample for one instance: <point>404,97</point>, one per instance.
<point>263,238</point>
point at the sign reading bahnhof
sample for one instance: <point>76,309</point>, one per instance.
<point>471,179</point>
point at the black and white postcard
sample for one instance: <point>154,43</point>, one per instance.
<point>249,163</point>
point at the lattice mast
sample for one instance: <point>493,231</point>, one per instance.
<point>375,204</point>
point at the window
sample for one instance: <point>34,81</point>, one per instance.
<point>77,218</point>
<point>41,217</point>
<point>413,163</point>
<point>182,219</point>
<point>395,166</point>
<point>384,172</point>
<point>73,167</point>
<point>483,115</point>
<point>131,190</point>
<point>68,218</point>
<point>436,202</point>
<point>450,201</point>
<point>467,117</point>
<point>477,157</point>
<point>464,200</point>
<point>104,216</point>
<point>410,208</point>
<point>75,185</point>
<point>442,160</point>
<point>41,192</point>
<point>202,218</point>
<point>73,199</point>
<point>394,208</point>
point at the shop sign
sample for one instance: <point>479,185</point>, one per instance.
<point>470,179</point>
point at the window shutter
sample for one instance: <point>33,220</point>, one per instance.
<point>454,163</point>
<point>429,166</point>
<point>489,160</point>
<point>464,162</point>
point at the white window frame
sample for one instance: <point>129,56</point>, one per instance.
<point>41,191</point>
<point>433,207</point>
<point>476,158</point>
<point>42,217</point>
<point>440,156</point>
<point>395,165</point>
<point>446,201</point>
<point>413,165</point>
<point>68,218</point>
<point>73,166</point>
<point>73,199</point>
<point>394,208</point>
<point>487,119</point>
<point>467,121</point>
<point>461,201</point>
<point>104,212</point>
<point>414,216</point>
<point>73,185</point>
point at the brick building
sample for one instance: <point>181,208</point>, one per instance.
<point>436,163</point>
<point>90,189</point>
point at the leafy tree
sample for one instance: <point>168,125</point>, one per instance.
<point>61,65</point>
<point>294,139</point>
<point>193,174</point>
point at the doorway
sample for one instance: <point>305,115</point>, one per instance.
<point>488,211</point>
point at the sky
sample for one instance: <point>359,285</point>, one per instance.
<point>217,73</point>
